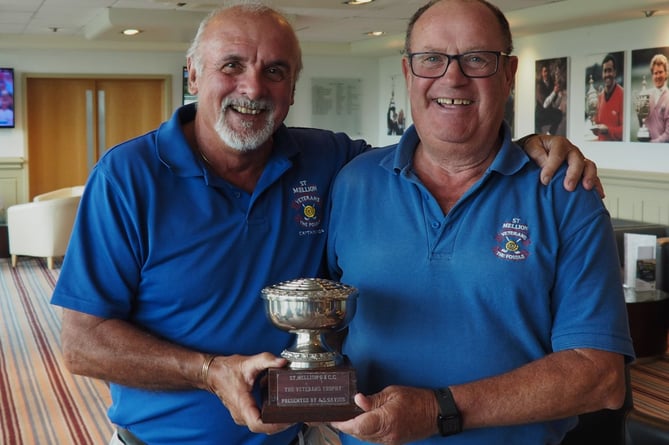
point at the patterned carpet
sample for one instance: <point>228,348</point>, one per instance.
<point>40,401</point>
<point>650,387</point>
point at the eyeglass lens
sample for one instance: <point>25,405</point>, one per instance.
<point>472,64</point>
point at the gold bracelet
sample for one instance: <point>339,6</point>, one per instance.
<point>204,373</point>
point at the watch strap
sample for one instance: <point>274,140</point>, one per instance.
<point>449,420</point>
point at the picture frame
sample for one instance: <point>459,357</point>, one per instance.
<point>186,98</point>
<point>604,112</point>
<point>7,108</point>
<point>551,96</point>
<point>645,125</point>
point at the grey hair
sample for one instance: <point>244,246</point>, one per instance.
<point>249,6</point>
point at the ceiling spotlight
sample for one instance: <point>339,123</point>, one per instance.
<point>357,2</point>
<point>131,32</point>
<point>374,33</point>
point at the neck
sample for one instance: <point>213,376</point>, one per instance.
<point>445,177</point>
<point>240,168</point>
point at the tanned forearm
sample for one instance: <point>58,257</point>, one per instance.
<point>116,351</point>
<point>562,384</point>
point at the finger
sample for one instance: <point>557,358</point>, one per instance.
<point>590,178</point>
<point>255,365</point>
<point>365,403</point>
<point>575,168</point>
<point>352,426</point>
<point>559,149</point>
<point>258,426</point>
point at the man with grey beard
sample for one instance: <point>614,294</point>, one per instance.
<point>179,230</point>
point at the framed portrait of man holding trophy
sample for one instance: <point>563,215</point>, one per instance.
<point>650,95</point>
<point>604,97</point>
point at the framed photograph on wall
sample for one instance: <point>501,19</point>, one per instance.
<point>604,97</point>
<point>510,109</point>
<point>396,110</point>
<point>650,98</point>
<point>186,96</point>
<point>550,110</point>
<point>7,112</point>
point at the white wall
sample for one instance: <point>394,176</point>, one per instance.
<point>578,45</point>
<point>364,68</point>
<point>53,61</point>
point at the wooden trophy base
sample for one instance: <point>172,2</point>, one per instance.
<point>310,395</point>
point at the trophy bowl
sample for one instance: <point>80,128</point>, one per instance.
<point>310,307</point>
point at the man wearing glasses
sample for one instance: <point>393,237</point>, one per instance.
<point>490,307</point>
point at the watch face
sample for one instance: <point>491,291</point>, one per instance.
<point>449,425</point>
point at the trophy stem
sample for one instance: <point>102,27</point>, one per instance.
<point>309,351</point>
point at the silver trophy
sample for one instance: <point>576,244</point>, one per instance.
<point>591,102</point>
<point>642,103</point>
<point>319,382</point>
<point>310,308</point>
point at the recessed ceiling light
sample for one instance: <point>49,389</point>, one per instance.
<point>375,33</point>
<point>131,32</point>
<point>357,2</point>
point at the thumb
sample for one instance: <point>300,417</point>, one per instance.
<point>365,403</point>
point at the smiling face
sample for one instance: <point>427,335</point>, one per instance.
<point>248,65</point>
<point>609,75</point>
<point>659,72</point>
<point>454,108</point>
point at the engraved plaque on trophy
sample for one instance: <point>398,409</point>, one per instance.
<point>319,383</point>
<point>642,111</point>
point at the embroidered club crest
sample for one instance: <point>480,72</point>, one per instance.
<point>307,204</point>
<point>513,241</point>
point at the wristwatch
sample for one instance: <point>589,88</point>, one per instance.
<point>449,420</point>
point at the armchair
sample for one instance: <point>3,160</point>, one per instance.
<point>42,228</point>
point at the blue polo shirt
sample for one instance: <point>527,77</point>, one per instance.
<point>162,242</point>
<point>514,271</point>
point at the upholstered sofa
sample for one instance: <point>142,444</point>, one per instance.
<point>42,228</point>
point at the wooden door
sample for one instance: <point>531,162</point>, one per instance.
<point>57,136</point>
<point>133,107</point>
<point>71,122</point>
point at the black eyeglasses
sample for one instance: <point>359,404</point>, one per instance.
<point>475,64</point>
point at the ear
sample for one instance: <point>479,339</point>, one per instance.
<point>192,77</point>
<point>510,69</point>
<point>406,71</point>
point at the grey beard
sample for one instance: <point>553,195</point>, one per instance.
<point>245,140</point>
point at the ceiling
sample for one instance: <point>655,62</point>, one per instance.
<point>323,26</point>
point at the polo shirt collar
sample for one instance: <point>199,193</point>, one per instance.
<point>510,159</point>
